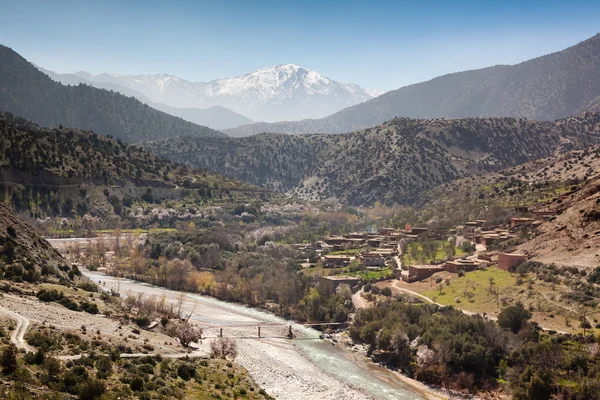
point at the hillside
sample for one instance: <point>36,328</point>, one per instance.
<point>69,173</point>
<point>545,88</point>
<point>566,182</point>
<point>594,105</point>
<point>25,255</point>
<point>282,92</point>
<point>391,163</point>
<point>63,337</point>
<point>493,196</point>
<point>215,117</point>
<point>28,93</point>
<point>573,236</point>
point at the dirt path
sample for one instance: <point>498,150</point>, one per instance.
<point>393,285</point>
<point>359,301</point>
<point>565,308</point>
<point>413,293</point>
<point>17,336</point>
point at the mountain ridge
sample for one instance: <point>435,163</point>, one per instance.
<point>29,93</point>
<point>215,117</point>
<point>548,87</point>
<point>389,163</point>
<point>285,91</point>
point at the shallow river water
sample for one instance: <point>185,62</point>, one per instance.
<point>305,364</point>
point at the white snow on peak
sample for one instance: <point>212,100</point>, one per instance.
<point>281,92</point>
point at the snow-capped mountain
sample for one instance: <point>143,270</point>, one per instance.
<point>283,92</point>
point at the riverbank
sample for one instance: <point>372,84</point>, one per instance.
<point>358,351</point>
<point>306,367</point>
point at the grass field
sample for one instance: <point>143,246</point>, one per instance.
<point>372,275</point>
<point>479,291</point>
<point>490,290</point>
<point>440,255</point>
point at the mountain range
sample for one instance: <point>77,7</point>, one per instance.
<point>29,93</point>
<point>394,162</point>
<point>546,88</point>
<point>215,117</point>
<point>283,92</point>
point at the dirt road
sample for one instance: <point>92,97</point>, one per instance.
<point>17,336</point>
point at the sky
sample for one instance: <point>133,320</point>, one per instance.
<point>380,45</point>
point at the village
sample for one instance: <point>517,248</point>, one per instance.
<point>415,258</point>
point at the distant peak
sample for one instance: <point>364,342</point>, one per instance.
<point>281,67</point>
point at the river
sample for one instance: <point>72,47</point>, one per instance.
<point>303,368</point>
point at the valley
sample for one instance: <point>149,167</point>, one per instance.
<point>213,233</point>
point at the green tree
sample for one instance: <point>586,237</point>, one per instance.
<point>513,318</point>
<point>8,359</point>
<point>92,389</point>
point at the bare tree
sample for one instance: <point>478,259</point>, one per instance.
<point>223,348</point>
<point>185,332</point>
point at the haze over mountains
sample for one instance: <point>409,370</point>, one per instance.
<point>215,117</point>
<point>545,88</point>
<point>29,93</point>
<point>390,162</point>
<point>283,92</point>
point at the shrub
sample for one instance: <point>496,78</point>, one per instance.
<point>104,367</point>
<point>8,359</point>
<point>88,286</point>
<point>513,318</point>
<point>89,307</point>
<point>36,358</point>
<point>137,384</point>
<point>146,368</point>
<point>186,371</point>
<point>185,332</point>
<point>92,389</point>
<point>49,295</point>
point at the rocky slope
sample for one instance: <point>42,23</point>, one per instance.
<point>545,88</point>
<point>494,196</point>
<point>24,254</point>
<point>391,163</point>
<point>283,92</point>
<point>573,236</point>
<point>28,93</point>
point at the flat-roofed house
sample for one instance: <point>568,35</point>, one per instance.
<point>371,259</point>
<point>510,261</point>
<point>334,240</point>
<point>454,266</point>
<point>420,272</point>
<point>385,231</point>
<point>540,214</point>
<point>334,261</point>
<point>418,230</point>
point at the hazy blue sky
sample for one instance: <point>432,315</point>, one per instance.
<point>377,44</point>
